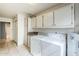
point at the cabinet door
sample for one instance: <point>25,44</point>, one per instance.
<point>34,22</point>
<point>48,20</point>
<point>39,21</point>
<point>30,24</point>
<point>64,16</point>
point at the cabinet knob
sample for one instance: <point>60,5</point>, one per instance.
<point>54,24</point>
<point>71,7</point>
<point>71,22</point>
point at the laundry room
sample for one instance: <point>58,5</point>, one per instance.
<point>57,28</point>
<point>52,29</point>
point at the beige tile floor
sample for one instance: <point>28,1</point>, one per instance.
<point>10,49</point>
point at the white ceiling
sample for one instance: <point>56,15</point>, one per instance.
<point>11,9</point>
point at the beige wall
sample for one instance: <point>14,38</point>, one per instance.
<point>15,30</point>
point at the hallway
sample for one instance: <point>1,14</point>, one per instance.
<point>10,49</point>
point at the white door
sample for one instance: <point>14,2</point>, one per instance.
<point>39,21</point>
<point>34,22</point>
<point>64,16</point>
<point>48,20</point>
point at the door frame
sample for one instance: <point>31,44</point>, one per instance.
<point>11,24</point>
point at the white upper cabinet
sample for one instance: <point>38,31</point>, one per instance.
<point>63,17</point>
<point>33,22</point>
<point>48,20</point>
<point>39,21</point>
<point>29,24</point>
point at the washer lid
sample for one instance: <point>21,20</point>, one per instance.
<point>59,43</point>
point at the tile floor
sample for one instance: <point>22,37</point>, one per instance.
<point>10,49</point>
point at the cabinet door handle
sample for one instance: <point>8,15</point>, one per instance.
<point>72,9</point>
<point>53,20</point>
<point>42,21</point>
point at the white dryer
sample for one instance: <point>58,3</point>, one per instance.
<point>73,44</point>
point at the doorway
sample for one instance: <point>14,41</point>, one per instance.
<point>5,31</point>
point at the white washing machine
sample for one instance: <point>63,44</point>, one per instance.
<point>55,46</point>
<point>52,48</point>
<point>48,46</point>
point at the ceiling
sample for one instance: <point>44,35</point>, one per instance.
<point>11,9</point>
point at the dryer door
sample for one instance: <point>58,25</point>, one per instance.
<point>77,48</point>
